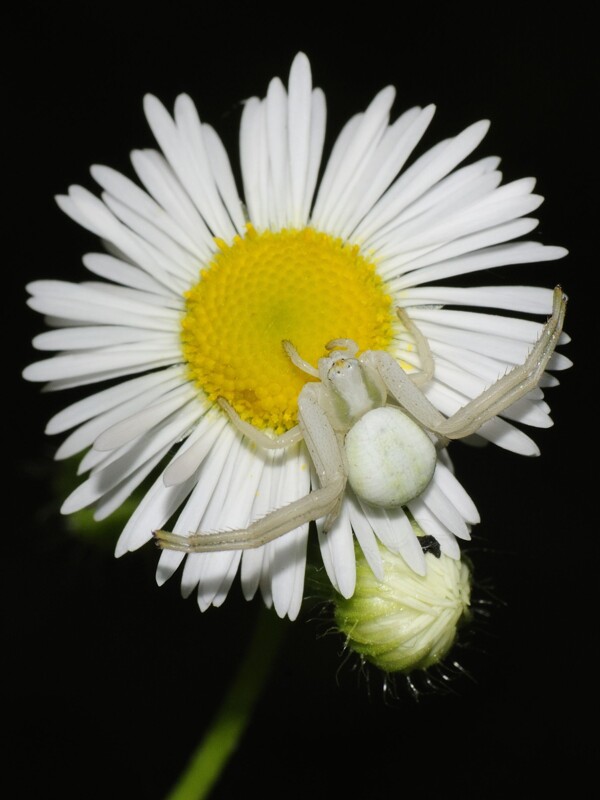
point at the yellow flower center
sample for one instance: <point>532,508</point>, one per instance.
<point>300,285</point>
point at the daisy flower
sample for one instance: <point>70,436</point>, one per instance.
<point>198,289</point>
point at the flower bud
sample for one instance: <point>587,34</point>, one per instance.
<point>407,621</point>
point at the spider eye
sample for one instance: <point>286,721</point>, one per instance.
<point>342,367</point>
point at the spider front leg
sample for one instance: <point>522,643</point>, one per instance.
<point>257,436</point>
<point>325,451</point>
<point>516,383</point>
<point>325,446</point>
<point>503,393</point>
<point>425,374</point>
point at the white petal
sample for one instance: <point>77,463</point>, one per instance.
<point>224,176</point>
<point>299,125</point>
<point>508,437</point>
<point>456,198</point>
<point>288,562</point>
<point>127,403</point>
<point>424,173</point>
<point>395,147</point>
<point>92,362</point>
<point>481,214</point>
<point>194,169</point>
<point>103,401</point>
<point>83,337</point>
<point>90,305</point>
<point>223,590</point>
<point>508,327</point>
<point>92,214</point>
<point>253,560</point>
<point>340,558</point>
<point>105,375</point>
<point>114,499</point>
<point>458,185</point>
<point>509,351</point>
<point>239,479</point>
<point>202,512</point>
<point>158,177</point>
<point>392,527</point>
<point>254,162</point>
<point>125,461</point>
<point>206,476</point>
<point>188,263</point>
<point>279,161</point>
<point>441,507</point>
<point>186,463</point>
<point>486,368</point>
<point>118,271</point>
<point>364,534</point>
<point>156,507</point>
<point>336,157</point>
<point>317,139</point>
<point>558,361</point>
<point>128,193</point>
<point>168,564</point>
<point>175,140</point>
<point>528,299</point>
<point>145,419</point>
<point>110,292</point>
<point>455,492</point>
<point>355,159</point>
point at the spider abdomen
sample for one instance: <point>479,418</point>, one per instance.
<point>391,459</point>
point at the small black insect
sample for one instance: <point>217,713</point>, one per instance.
<point>430,545</point>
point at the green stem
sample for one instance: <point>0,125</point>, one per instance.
<point>219,743</point>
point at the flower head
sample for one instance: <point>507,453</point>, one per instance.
<point>198,291</point>
<point>411,622</point>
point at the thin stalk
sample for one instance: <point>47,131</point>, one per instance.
<point>218,745</point>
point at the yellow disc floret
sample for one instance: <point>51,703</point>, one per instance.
<point>298,285</point>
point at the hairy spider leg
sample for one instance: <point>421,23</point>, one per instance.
<point>297,360</point>
<point>349,345</point>
<point>425,374</point>
<point>324,448</point>
<point>501,394</point>
<point>516,383</point>
<point>257,436</point>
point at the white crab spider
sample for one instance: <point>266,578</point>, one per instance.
<point>385,450</point>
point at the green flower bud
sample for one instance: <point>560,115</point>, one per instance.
<point>407,621</point>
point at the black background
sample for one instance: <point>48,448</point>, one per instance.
<point>110,681</point>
